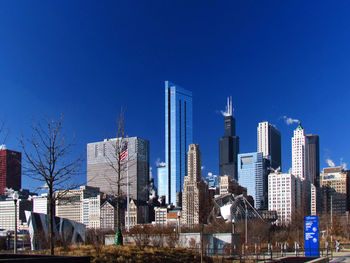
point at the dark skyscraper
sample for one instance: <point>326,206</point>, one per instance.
<point>313,157</point>
<point>229,145</point>
<point>10,169</point>
<point>269,143</point>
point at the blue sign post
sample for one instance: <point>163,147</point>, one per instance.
<point>312,243</point>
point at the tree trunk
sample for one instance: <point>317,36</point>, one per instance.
<point>51,218</point>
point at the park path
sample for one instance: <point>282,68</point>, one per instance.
<point>343,257</point>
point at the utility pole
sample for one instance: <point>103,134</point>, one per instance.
<point>15,199</point>
<point>202,228</point>
<point>332,211</point>
<point>332,218</point>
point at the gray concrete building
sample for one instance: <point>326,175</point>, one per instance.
<point>102,167</point>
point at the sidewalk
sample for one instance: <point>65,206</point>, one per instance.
<point>343,256</point>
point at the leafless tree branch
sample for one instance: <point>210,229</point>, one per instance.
<point>47,159</point>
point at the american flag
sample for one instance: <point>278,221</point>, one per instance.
<point>124,152</point>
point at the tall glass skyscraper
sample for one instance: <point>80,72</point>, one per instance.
<point>252,174</point>
<point>162,180</point>
<point>178,136</point>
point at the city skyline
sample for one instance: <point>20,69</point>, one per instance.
<point>87,62</point>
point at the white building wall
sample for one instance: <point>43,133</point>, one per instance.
<point>40,204</point>
<point>299,156</point>
<point>7,214</point>
<point>263,138</point>
<point>282,193</point>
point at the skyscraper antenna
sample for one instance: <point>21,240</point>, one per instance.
<point>229,106</point>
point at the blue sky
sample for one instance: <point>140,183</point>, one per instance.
<point>87,59</point>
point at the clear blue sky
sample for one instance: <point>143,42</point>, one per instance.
<point>86,59</point>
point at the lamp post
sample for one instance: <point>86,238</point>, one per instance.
<point>15,199</point>
<point>246,223</point>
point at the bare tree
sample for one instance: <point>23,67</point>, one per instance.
<point>48,160</point>
<point>117,159</point>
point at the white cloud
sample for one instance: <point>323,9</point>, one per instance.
<point>330,162</point>
<point>159,163</point>
<point>289,120</point>
<point>343,164</point>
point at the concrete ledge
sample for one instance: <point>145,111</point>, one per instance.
<point>321,260</point>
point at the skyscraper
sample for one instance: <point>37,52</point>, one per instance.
<point>100,172</point>
<point>162,175</point>
<point>283,190</point>
<point>252,174</point>
<point>194,194</point>
<point>313,157</point>
<point>178,136</point>
<point>299,153</point>
<point>10,169</point>
<point>335,185</point>
<point>229,145</point>
<point>269,143</point>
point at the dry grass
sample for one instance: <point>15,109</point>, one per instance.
<point>131,253</point>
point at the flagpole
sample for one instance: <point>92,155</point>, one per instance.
<point>127,190</point>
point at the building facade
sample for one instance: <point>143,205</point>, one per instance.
<point>70,204</point>
<point>163,185</point>
<point>102,166</point>
<point>212,181</point>
<point>7,213</point>
<point>269,143</point>
<point>178,136</point>
<point>316,200</point>
<point>229,145</point>
<point>10,169</point>
<point>283,195</point>
<point>92,211</point>
<point>40,204</point>
<point>299,153</point>
<point>252,174</point>
<point>225,184</point>
<point>313,157</point>
<point>138,213</point>
<point>160,215</point>
<point>167,216</point>
<point>335,187</point>
<point>194,189</point>
<point>109,215</point>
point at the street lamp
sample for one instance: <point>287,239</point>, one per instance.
<point>15,199</point>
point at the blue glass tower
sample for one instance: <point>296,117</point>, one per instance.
<point>178,136</point>
<point>162,181</point>
<point>252,174</point>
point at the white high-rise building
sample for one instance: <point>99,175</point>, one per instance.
<point>299,156</point>
<point>283,191</point>
<point>7,213</point>
<point>269,143</point>
<point>40,204</point>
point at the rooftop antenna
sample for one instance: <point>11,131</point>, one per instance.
<point>229,106</point>
<point>228,109</point>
